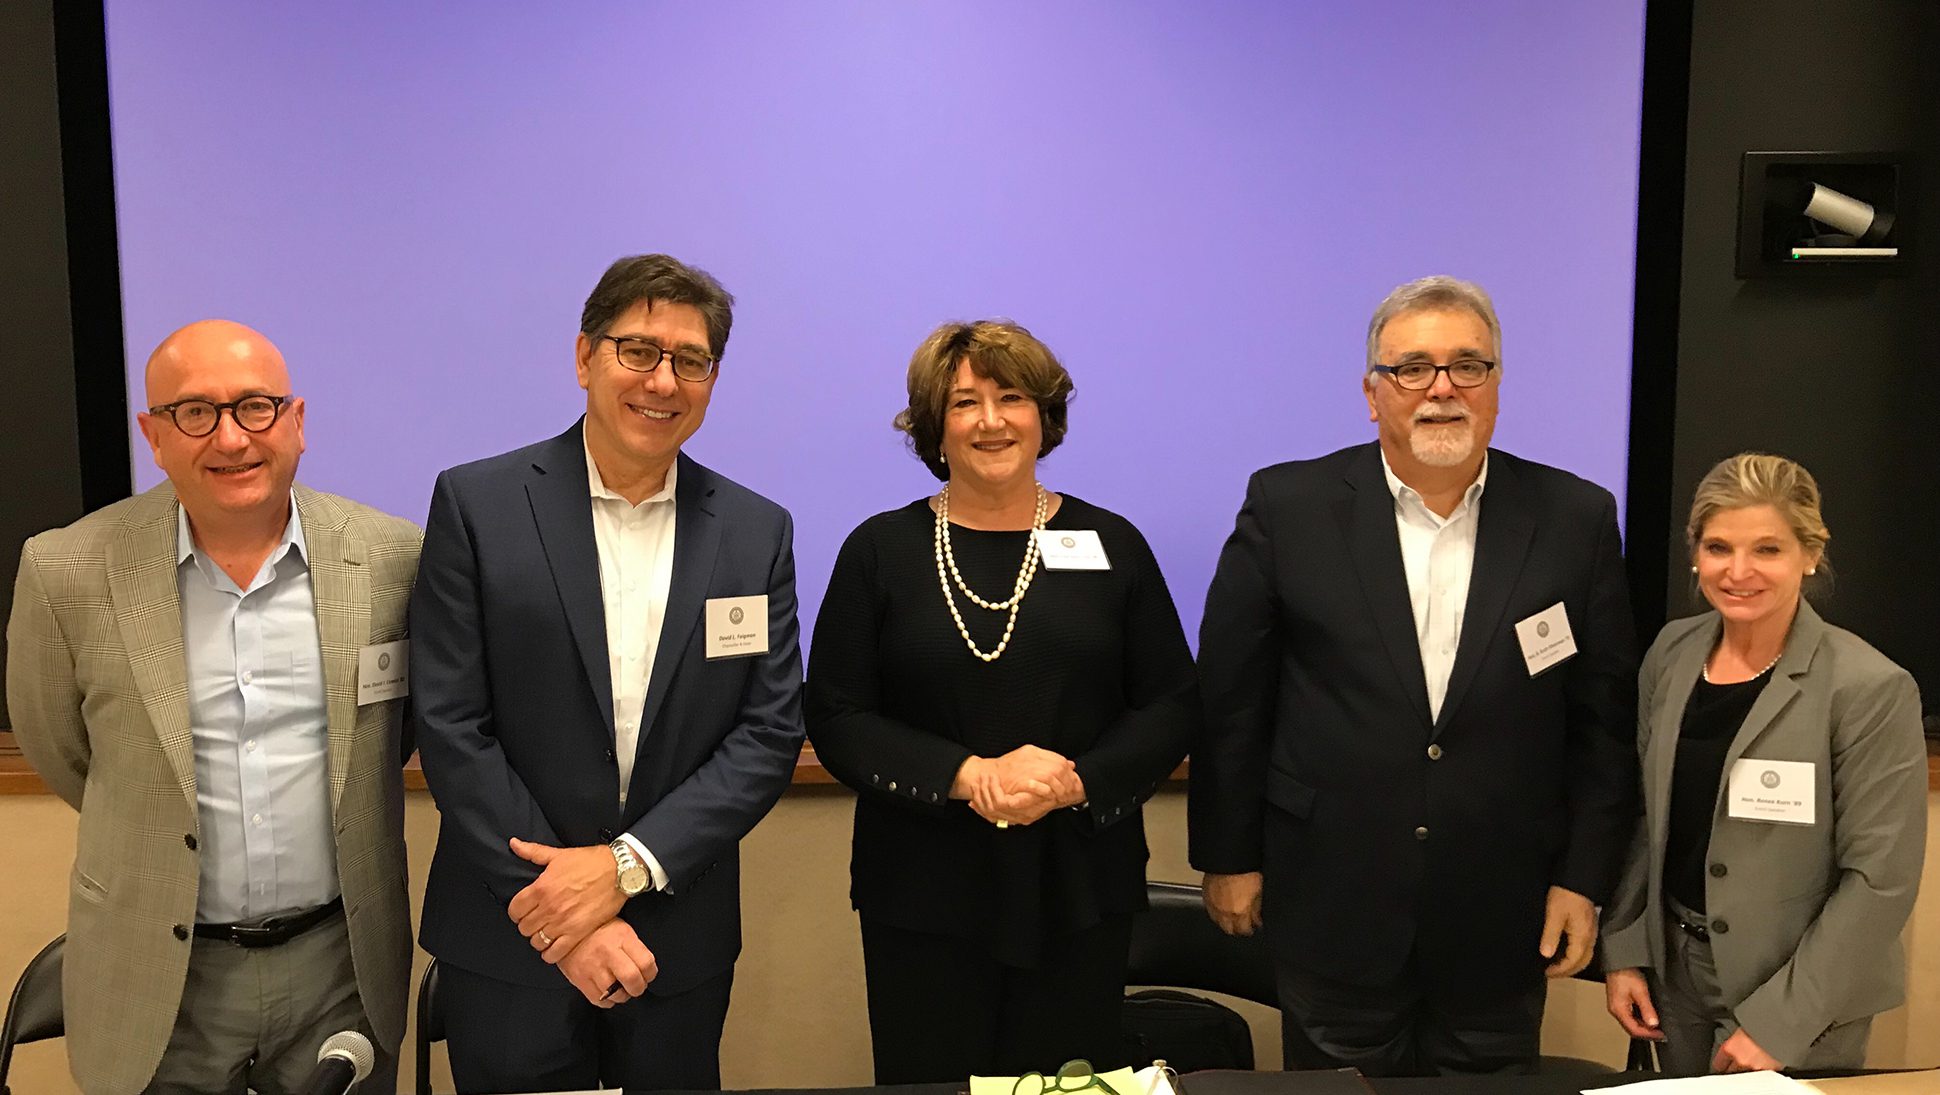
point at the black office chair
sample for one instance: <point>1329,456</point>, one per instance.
<point>1175,945</point>
<point>34,1011</point>
<point>431,1025</point>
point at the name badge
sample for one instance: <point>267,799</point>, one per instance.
<point>383,672</point>
<point>1071,549</point>
<point>1546,639</point>
<point>737,626</point>
<point>1772,790</point>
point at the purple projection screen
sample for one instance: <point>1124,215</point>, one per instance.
<point>1196,205</point>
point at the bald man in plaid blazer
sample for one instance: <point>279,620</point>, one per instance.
<point>111,705</point>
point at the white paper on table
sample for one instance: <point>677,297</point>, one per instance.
<point>1735,1083</point>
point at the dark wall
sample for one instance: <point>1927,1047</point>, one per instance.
<point>64,449</point>
<point>1841,374</point>
<point>38,448</point>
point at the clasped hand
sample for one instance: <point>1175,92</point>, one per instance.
<point>570,915</point>
<point>1019,787</point>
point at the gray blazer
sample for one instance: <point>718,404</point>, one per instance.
<point>97,683</point>
<point>1807,919</point>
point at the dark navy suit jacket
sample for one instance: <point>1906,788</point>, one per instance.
<point>1316,763</point>
<point>513,694</point>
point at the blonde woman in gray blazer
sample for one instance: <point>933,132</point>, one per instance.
<point>1784,782</point>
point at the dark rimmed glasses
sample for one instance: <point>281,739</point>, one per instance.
<point>1419,376</point>
<point>199,417</point>
<point>643,355</point>
<point>1071,1076</point>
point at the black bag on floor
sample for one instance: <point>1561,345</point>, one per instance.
<point>1188,1032</point>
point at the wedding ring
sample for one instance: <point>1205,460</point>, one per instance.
<point>1003,824</point>
<point>545,941</point>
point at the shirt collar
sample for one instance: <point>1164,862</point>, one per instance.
<point>597,485</point>
<point>185,548</point>
<point>1402,492</point>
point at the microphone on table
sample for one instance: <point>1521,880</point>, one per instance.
<point>345,1059</point>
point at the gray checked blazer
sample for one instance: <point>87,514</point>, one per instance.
<point>96,681</point>
<point>1810,914</point>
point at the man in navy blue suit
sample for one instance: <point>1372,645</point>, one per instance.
<point>607,681</point>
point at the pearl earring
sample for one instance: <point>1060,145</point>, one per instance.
<point>1694,570</point>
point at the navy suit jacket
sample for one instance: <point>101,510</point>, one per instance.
<point>1316,764</point>
<point>511,685</point>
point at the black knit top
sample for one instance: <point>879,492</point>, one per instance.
<point>1097,670</point>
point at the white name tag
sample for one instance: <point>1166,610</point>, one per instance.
<point>1071,549</point>
<point>737,626</point>
<point>383,672</point>
<point>1772,790</point>
<point>1546,639</point>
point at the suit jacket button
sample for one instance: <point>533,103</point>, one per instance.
<point>1421,832</point>
<point>181,932</point>
<point>1434,752</point>
<point>189,839</point>
<point>1717,870</point>
<point>1719,927</point>
<point>606,835</point>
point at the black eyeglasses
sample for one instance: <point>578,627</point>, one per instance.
<point>1071,1076</point>
<point>199,417</point>
<point>1417,376</point>
<point>643,355</point>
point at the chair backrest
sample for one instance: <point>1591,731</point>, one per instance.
<point>34,1011</point>
<point>431,1024</point>
<point>1175,944</point>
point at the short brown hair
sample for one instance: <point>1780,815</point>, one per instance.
<point>1761,479</point>
<point>998,350</point>
<point>661,279</point>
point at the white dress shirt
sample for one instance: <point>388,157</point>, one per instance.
<point>636,555</point>
<point>1438,554</point>
<point>258,715</point>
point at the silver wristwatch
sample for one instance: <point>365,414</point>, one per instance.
<point>633,873</point>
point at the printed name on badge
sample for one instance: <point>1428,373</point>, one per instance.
<point>1783,791</point>
<point>1546,639</point>
<point>1071,549</point>
<point>383,672</point>
<point>737,626</point>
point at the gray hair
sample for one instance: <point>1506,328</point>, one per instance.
<point>1435,293</point>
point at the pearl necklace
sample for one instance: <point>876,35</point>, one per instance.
<point>1704,668</point>
<point>946,572</point>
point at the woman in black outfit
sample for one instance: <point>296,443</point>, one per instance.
<point>1000,674</point>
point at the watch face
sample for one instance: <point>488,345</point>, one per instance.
<point>633,880</point>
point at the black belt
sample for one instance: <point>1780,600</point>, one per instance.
<point>273,931</point>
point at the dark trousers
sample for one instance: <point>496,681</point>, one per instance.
<point>1405,1028</point>
<point>506,1037</point>
<point>941,1009</point>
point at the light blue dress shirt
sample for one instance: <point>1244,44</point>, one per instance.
<point>257,708</point>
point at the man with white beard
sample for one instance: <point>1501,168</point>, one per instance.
<point>1419,674</point>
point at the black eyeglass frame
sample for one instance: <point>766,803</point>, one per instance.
<point>1075,1069</point>
<point>666,354</point>
<point>1393,372</point>
<point>276,402</point>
